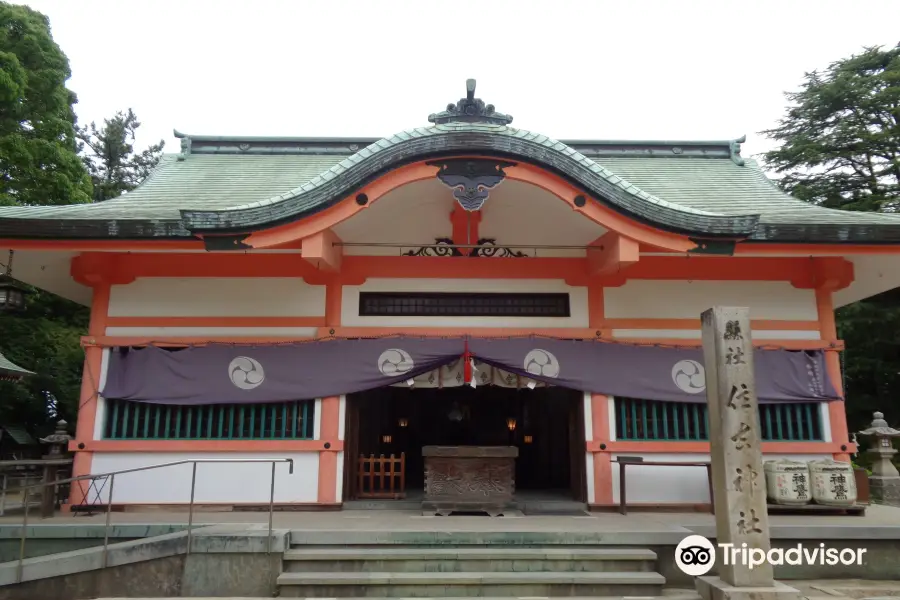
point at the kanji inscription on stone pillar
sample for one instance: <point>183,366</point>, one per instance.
<point>734,434</point>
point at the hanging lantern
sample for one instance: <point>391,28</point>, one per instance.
<point>402,422</point>
<point>529,439</point>
<point>511,424</point>
<point>12,293</point>
<point>386,439</point>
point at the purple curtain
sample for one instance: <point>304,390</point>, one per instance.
<point>251,374</point>
<point>649,372</point>
<point>219,374</point>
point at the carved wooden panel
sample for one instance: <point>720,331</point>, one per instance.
<point>470,480</point>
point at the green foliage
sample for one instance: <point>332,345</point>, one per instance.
<point>871,361</point>
<point>39,164</point>
<point>44,339</point>
<point>38,159</point>
<point>840,148</point>
<point>108,153</point>
<point>840,138</point>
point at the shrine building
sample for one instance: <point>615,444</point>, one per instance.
<point>463,284</point>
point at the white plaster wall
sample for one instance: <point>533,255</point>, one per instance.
<point>339,477</point>
<point>611,407</point>
<point>577,302</point>
<point>588,418</point>
<point>516,213</point>
<point>170,332</point>
<point>871,275</point>
<point>100,418</point>
<point>589,473</point>
<point>589,436</point>
<point>317,420</point>
<point>663,299</point>
<point>666,485</point>
<point>695,334</point>
<point>216,483</point>
<point>826,421</point>
<point>49,270</point>
<point>414,214</point>
<point>217,297</point>
<point>342,417</point>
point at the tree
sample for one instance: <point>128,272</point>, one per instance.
<point>840,138</point>
<point>38,159</point>
<point>840,148</point>
<point>39,164</point>
<point>45,338</point>
<point>108,153</point>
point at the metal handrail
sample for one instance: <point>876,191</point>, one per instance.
<point>112,479</point>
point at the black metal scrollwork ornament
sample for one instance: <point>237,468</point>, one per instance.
<point>485,248</point>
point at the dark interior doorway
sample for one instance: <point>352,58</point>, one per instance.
<point>545,424</point>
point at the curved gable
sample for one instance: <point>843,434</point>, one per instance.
<point>466,139</point>
<point>229,188</point>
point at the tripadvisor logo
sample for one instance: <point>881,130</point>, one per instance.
<point>696,555</point>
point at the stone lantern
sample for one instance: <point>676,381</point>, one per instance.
<point>58,443</point>
<point>885,479</point>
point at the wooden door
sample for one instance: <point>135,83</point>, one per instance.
<point>351,447</point>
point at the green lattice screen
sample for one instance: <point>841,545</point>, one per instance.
<point>125,420</point>
<point>687,421</point>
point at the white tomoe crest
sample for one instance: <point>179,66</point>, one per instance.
<point>394,362</point>
<point>689,376</point>
<point>541,363</point>
<point>246,373</point>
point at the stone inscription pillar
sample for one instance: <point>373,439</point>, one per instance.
<point>737,466</point>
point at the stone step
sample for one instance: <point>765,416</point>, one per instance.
<point>665,597</point>
<point>468,559</point>
<point>432,585</point>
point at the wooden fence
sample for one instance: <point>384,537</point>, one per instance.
<point>380,477</point>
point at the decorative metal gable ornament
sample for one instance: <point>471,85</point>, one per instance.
<point>470,110</point>
<point>471,179</point>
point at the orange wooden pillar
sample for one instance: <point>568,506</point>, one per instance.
<point>90,394</point>
<point>328,431</point>
<point>599,412</point>
<point>837,411</point>
<point>603,493</point>
<point>329,423</point>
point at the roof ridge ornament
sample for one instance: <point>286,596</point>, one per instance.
<point>185,144</point>
<point>734,146</point>
<point>470,110</point>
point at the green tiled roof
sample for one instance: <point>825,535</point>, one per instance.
<point>19,435</point>
<point>10,369</point>
<point>723,187</point>
<point>235,184</point>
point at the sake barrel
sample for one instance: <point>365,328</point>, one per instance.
<point>787,482</point>
<point>833,483</point>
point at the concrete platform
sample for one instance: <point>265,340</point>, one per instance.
<point>880,522</point>
<point>878,531</point>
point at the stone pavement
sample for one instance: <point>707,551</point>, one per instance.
<point>879,522</point>
<point>848,589</point>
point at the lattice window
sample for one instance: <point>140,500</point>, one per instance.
<point>425,304</point>
<point>688,421</point>
<point>126,420</point>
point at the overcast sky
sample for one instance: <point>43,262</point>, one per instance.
<point>602,70</point>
